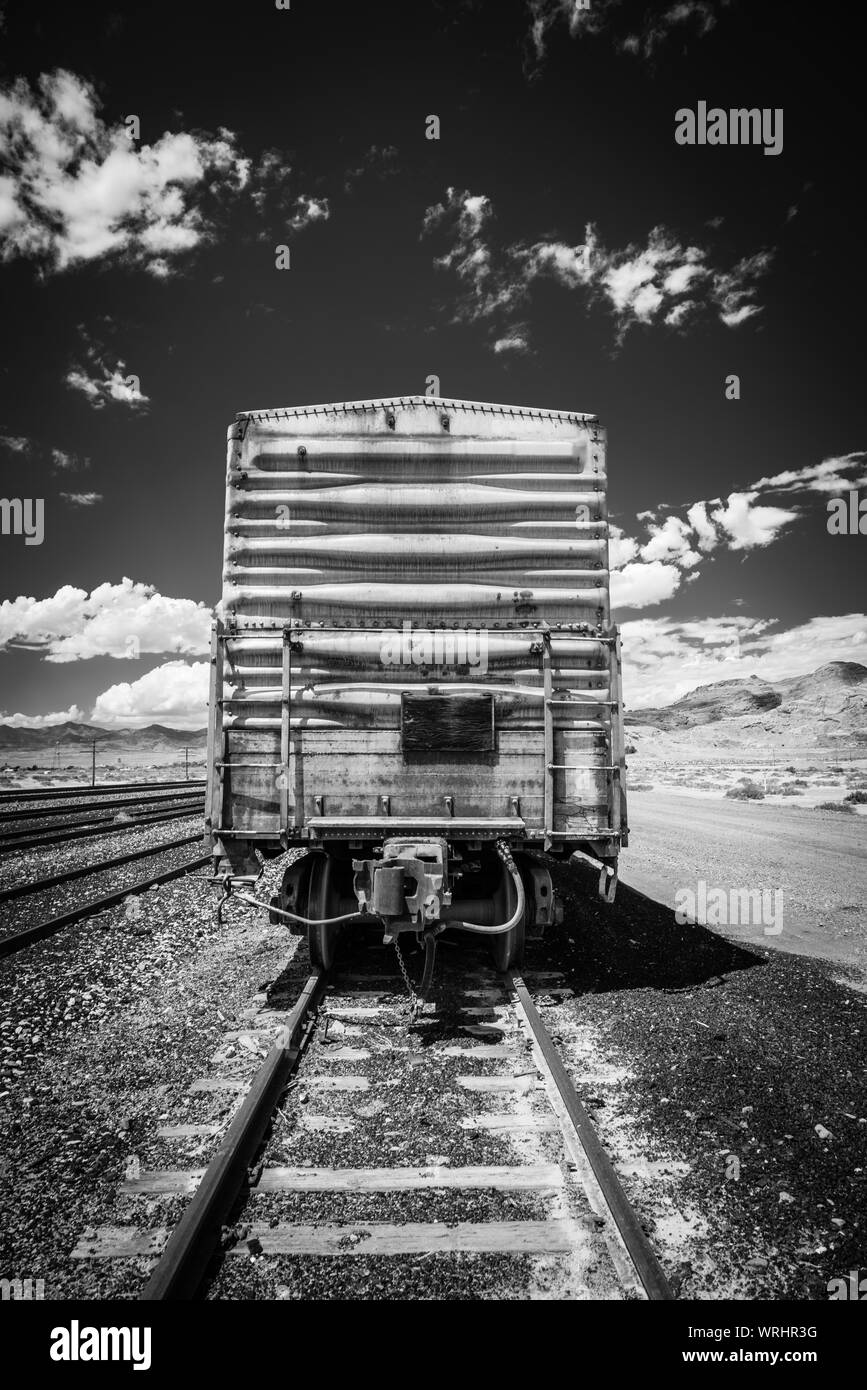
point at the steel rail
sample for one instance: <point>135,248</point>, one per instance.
<point>17,941</point>
<point>45,793</point>
<point>193,1242</point>
<point>19,890</point>
<point>647,1266</point>
<point>161,803</point>
<point>109,827</point>
<point>43,812</point>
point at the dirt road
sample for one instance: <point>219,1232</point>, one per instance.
<point>817,858</point>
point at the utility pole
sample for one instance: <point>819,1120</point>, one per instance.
<point>186,764</point>
<point>93,762</point>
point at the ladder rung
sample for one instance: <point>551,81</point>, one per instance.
<point>612,703</point>
<point>248,765</point>
<point>582,767</point>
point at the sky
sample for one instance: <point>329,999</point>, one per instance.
<point>546,240</point>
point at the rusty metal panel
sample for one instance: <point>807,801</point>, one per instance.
<point>416,548</point>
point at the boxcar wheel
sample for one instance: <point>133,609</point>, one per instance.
<point>323,900</point>
<point>507,948</point>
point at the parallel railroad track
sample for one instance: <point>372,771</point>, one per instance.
<point>481,1063</point>
<point>40,885</point>
<point>137,800</point>
<point>38,931</point>
<point>59,793</point>
<point>108,825</point>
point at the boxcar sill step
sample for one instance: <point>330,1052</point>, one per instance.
<point>450,823</point>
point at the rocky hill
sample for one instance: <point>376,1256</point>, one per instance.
<point>828,706</point>
<point>154,738</point>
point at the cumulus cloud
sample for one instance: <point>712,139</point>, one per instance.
<point>119,620</point>
<point>747,525</point>
<point>664,659</point>
<point>77,190</point>
<point>649,570</point>
<point>175,694</point>
<point>73,715</point>
<point>654,27</point>
<point>641,585</point>
<point>661,281</point>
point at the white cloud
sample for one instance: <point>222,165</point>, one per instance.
<point>67,462</point>
<point>672,541</point>
<point>665,659</point>
<point>111,386</point>
<point>73,715</point>
<point>514,341</point>
<point>749,526</point>
<point>308,210</point>
<point>649,572</point>
<point>662,281</point>
<point>608,17</point>
<point>274,197</point>
<point>82,499</point>
<point>16,443</point>
<point>836,474</point>
<point>733,292</point>
<point>466,215</point>
<point>119,620</point>
<point>175,694</point>
<point>78,190</point>
<point>643,585</point>
<point>707,536</point>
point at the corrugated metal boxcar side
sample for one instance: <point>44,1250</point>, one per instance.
<point>416,629</point>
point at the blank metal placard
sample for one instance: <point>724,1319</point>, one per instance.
<point>451,723</point>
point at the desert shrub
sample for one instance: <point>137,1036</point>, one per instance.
<point>836,769</point>
<point>857,798</point>
<point>631,748</point>
<point>789,789</point>
<point>746,791</point>
<point>640,787</point>
<point>834,806</point>
<point>800,782</point>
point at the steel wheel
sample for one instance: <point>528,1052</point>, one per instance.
<point>323,900</point>
<point>507,948</point>
<point>292,894</point>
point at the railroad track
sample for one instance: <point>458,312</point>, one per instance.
<point>38,931</point>
<point>497,1161</point>
<point>59,793</point>
<point>25,838</point>
<point>39,885</point>
<point>46,812</point>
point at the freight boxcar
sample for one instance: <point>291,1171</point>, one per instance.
<point>414,675</point>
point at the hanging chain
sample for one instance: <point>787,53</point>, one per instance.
<point>414,1001</point>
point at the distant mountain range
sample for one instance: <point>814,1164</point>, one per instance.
<point>830,704</point>
<point>152,738</point>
